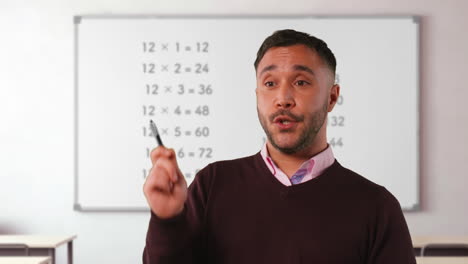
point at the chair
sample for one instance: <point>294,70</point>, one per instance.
<point>15,247</point>
<point>444,250</point>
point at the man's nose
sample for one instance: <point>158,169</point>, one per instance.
<point>285,97</point>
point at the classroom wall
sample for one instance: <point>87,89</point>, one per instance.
<point>36,115</point>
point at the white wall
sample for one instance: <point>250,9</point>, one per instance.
<point>36,115</point>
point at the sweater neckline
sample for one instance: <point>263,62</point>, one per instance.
<point>265,172</point>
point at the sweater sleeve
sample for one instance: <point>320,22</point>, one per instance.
<point>390,240</point>
<point>179,239</point>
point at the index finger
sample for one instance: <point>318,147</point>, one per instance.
<point>157,153</point>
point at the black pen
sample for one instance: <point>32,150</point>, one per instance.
<point>154,129</point>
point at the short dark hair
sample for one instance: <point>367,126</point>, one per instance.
<point>289,37</point>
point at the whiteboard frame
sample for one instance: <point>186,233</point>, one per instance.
<point>77,21</point>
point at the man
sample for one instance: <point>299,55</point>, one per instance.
<point>290,203</point>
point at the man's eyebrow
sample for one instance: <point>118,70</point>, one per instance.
<point>303,68</point>
<point>296,67</point>
<point>268,68</point>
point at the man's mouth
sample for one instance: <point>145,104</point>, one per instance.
<point>284,122</point>
<point>283,119</point>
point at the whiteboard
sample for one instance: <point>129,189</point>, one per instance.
<point>194,76</point>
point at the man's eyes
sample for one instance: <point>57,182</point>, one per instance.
<point>298,83</point>
<point>302,82</point>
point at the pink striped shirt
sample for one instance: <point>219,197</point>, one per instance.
<point>306,172</point>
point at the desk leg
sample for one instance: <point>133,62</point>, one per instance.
<point>70,251</point>
<point>52,255</point>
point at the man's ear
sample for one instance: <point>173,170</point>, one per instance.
<point>333,97</point>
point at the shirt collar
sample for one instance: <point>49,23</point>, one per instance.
<point>315,165</point>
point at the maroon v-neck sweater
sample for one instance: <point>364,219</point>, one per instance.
<point>237,212</point>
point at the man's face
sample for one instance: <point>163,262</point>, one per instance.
<point>293,87</point>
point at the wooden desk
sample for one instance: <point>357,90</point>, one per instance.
<point>25,260</point>
<point>40,245</point>
<point>442,260</point>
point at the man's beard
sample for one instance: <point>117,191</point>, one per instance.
<point>311,129</point>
